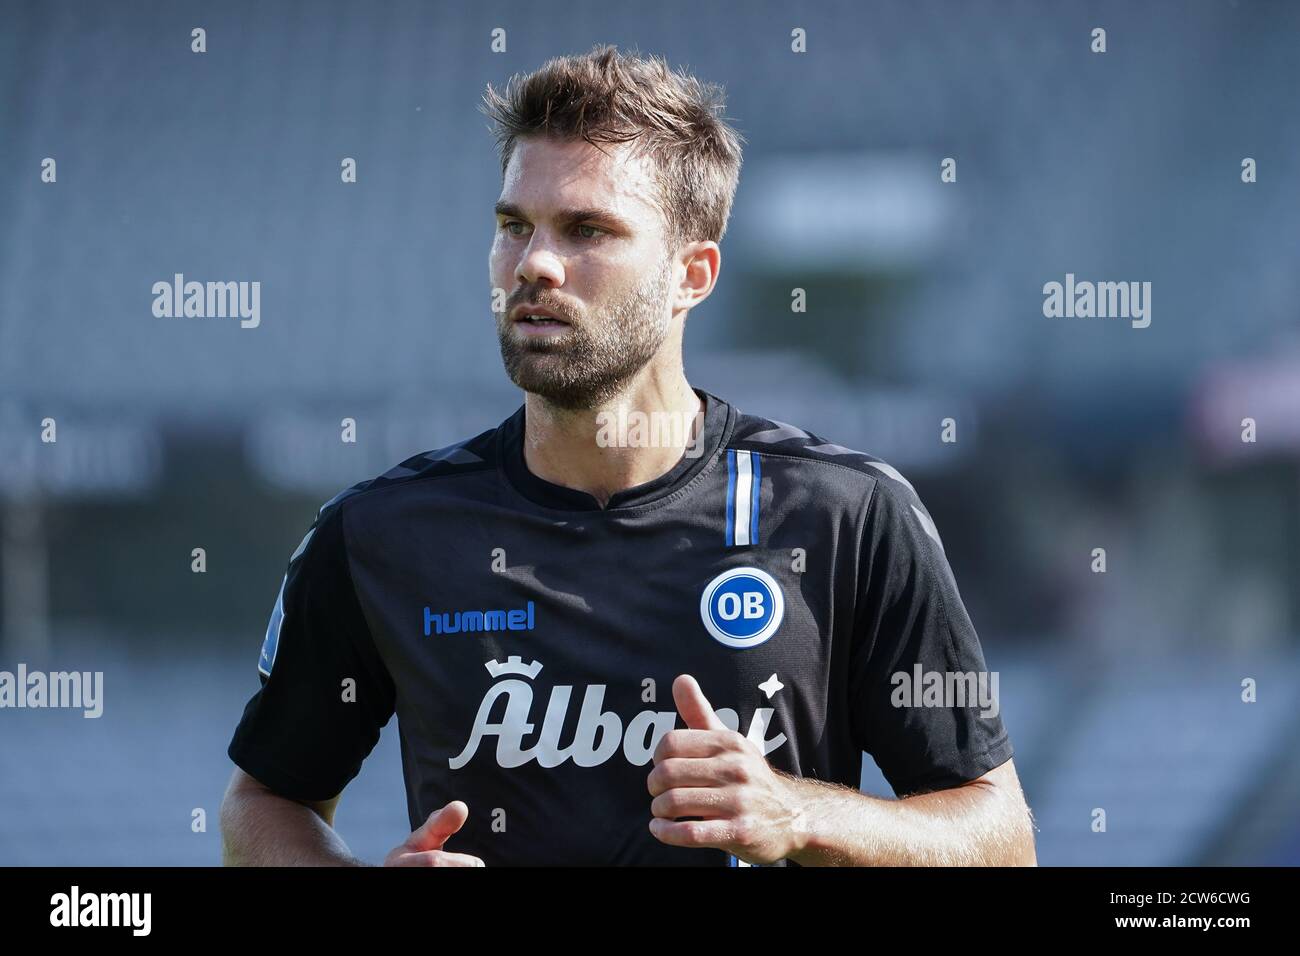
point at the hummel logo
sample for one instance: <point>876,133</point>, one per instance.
<point>444,622</point>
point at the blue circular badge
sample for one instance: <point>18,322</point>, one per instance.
<point>742,607</point>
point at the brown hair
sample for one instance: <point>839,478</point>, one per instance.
<point>605,96</point>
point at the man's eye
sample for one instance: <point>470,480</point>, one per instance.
<point>510,225</point>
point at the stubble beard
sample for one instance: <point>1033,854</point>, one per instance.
<point>594,359</point>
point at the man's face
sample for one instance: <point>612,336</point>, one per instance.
<point>579,236</point>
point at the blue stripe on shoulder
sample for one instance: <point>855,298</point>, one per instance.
<point>753,508</point>
<point>731,497</point>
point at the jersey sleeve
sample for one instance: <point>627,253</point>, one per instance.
<point>305,733</point>
<point>922,701</point>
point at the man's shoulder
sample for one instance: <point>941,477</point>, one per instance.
<point>777,439</point>
<point>835,473</point>
<point>466,457</point>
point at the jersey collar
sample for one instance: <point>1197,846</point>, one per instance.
<point>719,420</point>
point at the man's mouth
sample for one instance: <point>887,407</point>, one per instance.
<point>538,321</point>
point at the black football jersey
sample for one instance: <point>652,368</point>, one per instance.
<point>527,639</point>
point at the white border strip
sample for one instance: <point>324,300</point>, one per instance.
<point>744,496</point>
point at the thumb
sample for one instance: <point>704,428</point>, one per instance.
<point>433,833</point>
<point>694,706</point>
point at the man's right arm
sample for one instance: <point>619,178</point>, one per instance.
<point>301,737</point>
<point>325,695</point>
<point>262,828</point>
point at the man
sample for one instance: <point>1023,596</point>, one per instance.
<point>554,607</point>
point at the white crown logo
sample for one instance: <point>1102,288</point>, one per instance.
<point>513,665</point>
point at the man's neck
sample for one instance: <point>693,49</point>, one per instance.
<point>594,450</point>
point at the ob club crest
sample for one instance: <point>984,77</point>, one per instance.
<point>742,607</point>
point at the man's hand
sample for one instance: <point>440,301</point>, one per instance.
<point>708,771</point>
<point>424,846</point>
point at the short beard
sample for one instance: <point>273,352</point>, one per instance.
<point>598,357</point>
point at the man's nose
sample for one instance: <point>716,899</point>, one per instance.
<point>540,264</point>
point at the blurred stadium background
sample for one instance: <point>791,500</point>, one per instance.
<point>1121,690</point>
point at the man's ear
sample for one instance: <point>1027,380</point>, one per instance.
<point>701,262</point>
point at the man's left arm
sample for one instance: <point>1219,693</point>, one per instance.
<point>982,823</point>
<point>762,815</point>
